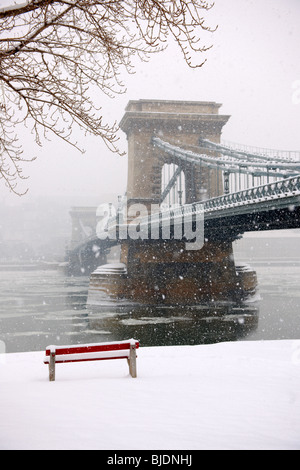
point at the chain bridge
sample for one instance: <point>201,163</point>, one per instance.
<point>189,196</point>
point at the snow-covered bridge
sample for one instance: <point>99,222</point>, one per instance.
<point>189,196</point>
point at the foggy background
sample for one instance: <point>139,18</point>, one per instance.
<point>253,69</point>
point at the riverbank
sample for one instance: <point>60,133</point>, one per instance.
<point>235,395</point>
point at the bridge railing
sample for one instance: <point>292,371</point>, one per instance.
<point>276,190</point>
<point>174,213</point>
<point>285,187</point>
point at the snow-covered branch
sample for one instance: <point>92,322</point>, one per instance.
<point>56,55</point>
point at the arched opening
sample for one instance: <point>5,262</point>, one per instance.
<point>173,186</point>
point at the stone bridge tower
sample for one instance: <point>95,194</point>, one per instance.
<point>180,123</point>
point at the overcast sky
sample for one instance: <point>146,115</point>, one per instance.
<point>253,69</point>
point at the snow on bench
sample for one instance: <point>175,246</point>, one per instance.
<point>92,352</point>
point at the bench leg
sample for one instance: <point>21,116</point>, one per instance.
<point>52,367</point>
<point>132,361</point>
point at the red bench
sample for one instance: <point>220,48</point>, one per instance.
<point>92,352</point>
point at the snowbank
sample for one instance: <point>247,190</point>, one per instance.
<point>241,395</point>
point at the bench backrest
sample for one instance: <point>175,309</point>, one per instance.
<point>91,352</point>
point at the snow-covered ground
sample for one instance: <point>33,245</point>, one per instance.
<point>240,395</point>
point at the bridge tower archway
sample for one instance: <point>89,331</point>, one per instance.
<point>177,195</point>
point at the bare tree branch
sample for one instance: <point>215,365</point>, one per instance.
<point>56,55</point>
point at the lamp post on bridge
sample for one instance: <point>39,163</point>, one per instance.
<point>226,182</point>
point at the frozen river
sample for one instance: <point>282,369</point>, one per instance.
<point>38,308</point>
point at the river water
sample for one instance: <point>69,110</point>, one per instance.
<point>38,308</point>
